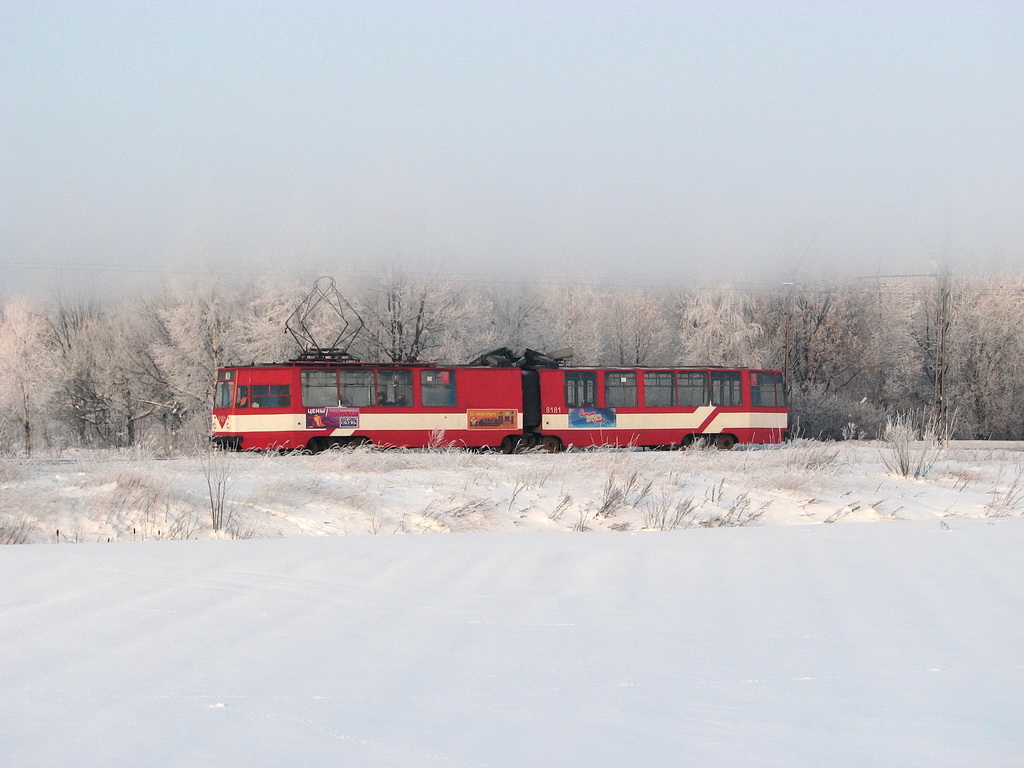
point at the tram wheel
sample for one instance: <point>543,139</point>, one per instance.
<point>526,442</point>
<point>725,442</point>
<point>551,444</point>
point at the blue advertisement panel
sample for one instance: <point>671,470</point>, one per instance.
<point>332,418</point>
<point>591,418</point>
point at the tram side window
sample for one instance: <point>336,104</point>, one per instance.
<point>437,388</point>
<point>242,397</point>
<point>766,389</point>
<point>394,388</point>
<point>620,389</point>
<point>693,388</point>
<point>356,388</point>
<point>271,396</point>
<point>780,390</point>
<point>222,398</point>
<point>581,390</point>
<point>725,389</point>
<point>319,388</point>
<point>659,389</point>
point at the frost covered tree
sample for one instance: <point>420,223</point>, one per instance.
<point>893,369</point>
<point>514,317</point>
<point>74,324</point>
<point>819,335</point>
<point>465,331</point>
<point>187,325</point>
<point>639,328</point>
<point>411,319</point>
<point>254,328</point>
<point>575,316</point>
<point>984,352</point>
<point>30,369</point>
<point>130,379</point>
<point>715,327</point>
<point>827,339</point>
<point>94,400</point>
<point>114,372</point>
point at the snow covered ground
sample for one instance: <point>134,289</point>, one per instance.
<point>105,496</point>
<point>706,619</point>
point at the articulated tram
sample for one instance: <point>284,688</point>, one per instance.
<point>320,404</point>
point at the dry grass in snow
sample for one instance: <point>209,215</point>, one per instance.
<point>104,496</point>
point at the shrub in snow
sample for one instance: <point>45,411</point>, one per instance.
<point>215,468</point>
<point>15,531</point>
<point>909,450</point>
<point>1008,500</point>
<point>665,512</point>
<point>739,513</point>
<point>809,457</point>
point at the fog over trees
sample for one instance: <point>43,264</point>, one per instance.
<point>140,369</point>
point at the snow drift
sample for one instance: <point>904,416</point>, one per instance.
<point>765,640</point>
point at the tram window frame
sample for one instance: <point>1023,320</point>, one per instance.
<point>620,389</point>
<point>726,389</point>
<point>356,388</point>
<point>438,388</point>
<point>320,394</point>
<point>271,396</point>
<point>580,389</point>
<point>396,393</point>
<point>662,385</point>
<point>766,389</point>
<point>692,390</point>
<point>780,390</point>
<point>224,393</point>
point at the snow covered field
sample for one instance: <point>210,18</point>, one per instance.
<point>106,496</point>
<point>707,619</point>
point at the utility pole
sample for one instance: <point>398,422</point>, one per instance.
<point>786,338</point>
<point>939,412</point>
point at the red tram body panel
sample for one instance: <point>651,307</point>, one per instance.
<point>319,405</point>
<point>662,407</point>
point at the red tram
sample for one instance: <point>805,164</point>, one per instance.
<point>316,405</point>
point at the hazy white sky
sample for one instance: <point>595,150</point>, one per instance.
<point>642,141</point>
